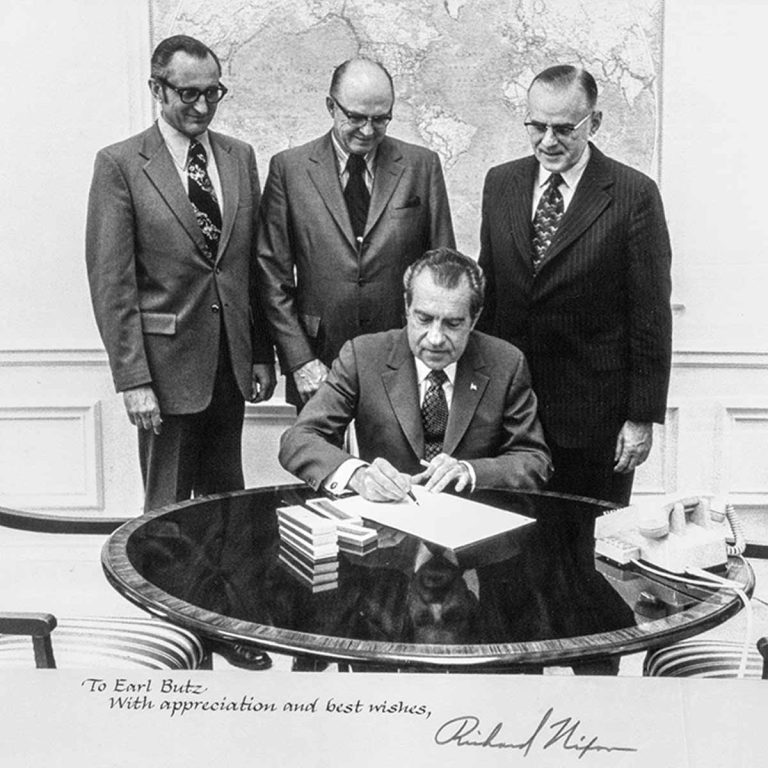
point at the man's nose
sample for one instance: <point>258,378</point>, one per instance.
<point>201,105</point>
<point>367,128</point>
<point>435,335</point>
<point>550,137</point>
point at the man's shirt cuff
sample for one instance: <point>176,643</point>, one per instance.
<point>472,475</point>
<point>336,482</point>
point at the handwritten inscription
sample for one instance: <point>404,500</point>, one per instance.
<point>564,733</point>
<point>179,697</point>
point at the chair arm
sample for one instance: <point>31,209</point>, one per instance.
<point>46,523</point>
<point>33,624</point>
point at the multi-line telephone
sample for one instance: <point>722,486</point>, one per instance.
<point>676,534</point>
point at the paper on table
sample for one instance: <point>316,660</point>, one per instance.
<point>441,518</point>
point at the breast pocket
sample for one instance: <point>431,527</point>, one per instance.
<point>408,208</point>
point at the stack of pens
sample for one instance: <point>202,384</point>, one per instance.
<point>309,547</point>
<point>354,537</point>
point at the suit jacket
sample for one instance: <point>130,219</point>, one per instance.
<point>340,289</point>
<point>492,421</point>
<point>595,322</point>
<point>159,301</point>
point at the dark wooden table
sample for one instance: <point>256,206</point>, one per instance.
<point>533,598</point>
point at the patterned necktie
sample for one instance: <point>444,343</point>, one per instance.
<point>203,197</point>
<point>549,211</point>
<point>434,414</point>
<point>356,194</point>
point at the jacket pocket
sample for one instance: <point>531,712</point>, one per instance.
<point>161,323</point>
<point>311,324</point>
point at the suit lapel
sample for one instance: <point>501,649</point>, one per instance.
<point>468,389</point>
<point>162,172</point>
<point>325,176</point>
<point>517,203</point>
<point>389,169</point>
<point>399,380</point>
<point>589,201</point>
<point>227,167</point>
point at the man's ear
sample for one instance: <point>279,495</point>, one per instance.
<point>154,89</point>
<point>594,125</point>
<point>476,318</point>
<point>329,105</point>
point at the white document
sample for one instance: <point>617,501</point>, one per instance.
<point>440,518</point>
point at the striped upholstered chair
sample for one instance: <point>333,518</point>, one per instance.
<point>707,658</point>
<point>116,643</point>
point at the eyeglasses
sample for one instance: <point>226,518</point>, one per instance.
<point>561,130</point>
<point>212,95</point>
<point>356,120</point>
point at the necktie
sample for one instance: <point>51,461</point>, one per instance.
<point>434,414</point>
<point>203,197</point>
<point>356,194</point>
<point>549,211</point>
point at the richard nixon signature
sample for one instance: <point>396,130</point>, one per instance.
<point>466,731</point>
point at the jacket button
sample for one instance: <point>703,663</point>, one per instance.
<point>215,308</point>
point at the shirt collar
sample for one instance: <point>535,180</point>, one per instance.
<point>178,143</point>
<point>342,156</point>
<point>422,371</point>
<point>572,175</point>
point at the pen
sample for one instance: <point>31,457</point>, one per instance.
<point>412,497</point>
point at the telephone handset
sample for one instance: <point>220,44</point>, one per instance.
<point>680,533</point>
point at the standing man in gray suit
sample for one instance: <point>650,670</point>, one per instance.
<point>576,254</point>
<point>170,235</point>
<point>342,217</point>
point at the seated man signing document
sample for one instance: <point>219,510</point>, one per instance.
<point>434,403</point>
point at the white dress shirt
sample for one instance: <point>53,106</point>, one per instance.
<point>178,146</point>
<point>342,156</point>
<point>571,179</point>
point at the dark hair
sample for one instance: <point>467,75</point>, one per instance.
<point>339,72</point>
<point>448,266</point>
<point>563,75</point>
<point>163,53</point>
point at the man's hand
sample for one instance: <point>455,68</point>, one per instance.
<point>142,408</point>
<point>309,377</point>
<point>380,481</point>
<point>633,445</point>
<point>263,382</point>
<point>441,472</point>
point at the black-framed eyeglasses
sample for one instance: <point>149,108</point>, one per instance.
<point>212,95</point>
<point>356,120</point>
<point>561,130</point>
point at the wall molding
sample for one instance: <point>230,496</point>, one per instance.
<point>681,358</point>
<point>36,465</point>
<point>703,358</point>
<point>53,357</point>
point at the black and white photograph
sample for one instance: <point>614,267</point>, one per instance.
<point>383,380</point>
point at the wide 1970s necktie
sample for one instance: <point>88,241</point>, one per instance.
<point>356,194</point>
<point>549,211</point>
<point>203,197</point>
<point>434,414</point>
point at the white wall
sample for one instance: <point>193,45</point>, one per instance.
<point>77,74</point>
<point>712,179</point>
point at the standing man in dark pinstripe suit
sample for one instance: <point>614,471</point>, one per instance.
<point>576,254</point>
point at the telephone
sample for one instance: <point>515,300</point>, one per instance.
<point>680,533</point>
